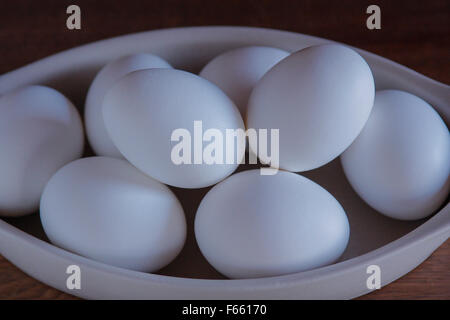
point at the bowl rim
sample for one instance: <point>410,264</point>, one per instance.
<point>437,225</point>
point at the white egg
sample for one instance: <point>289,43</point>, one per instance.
<point>237,71</point>
<point>400,163</point>
<point>319,99</point>
<point>252,225</point>
<point>106,210</point>
<point>40,131</point>
<point>151,115</point>
<point>108,75</point>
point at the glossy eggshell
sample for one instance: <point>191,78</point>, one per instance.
<point>40,131</point>
<point>319,99</point>
<point>400,163</point>
<point>105,209</point>
<point>95,128</point>
<point>237,71</point>
<point>252,225</point>
<point>145,108</point>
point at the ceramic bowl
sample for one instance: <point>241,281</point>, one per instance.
<point>396,247</point>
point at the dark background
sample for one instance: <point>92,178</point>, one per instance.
<point>414,33</point>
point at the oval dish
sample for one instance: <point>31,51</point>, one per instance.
<point>396,246</point>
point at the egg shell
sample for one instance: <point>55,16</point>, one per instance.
<point>40,131</point>
<point>319,99</point>
<point>237,71</point>
<point>252,225</point>
<point>95,128</point>
<point>400,163</point>
<point>105,209</point>
<point>143,110</point>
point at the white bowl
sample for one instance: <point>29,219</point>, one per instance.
<point>395,246</point>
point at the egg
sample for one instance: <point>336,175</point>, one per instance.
<point>40,131</point>
<point>108,75</point>
<point>105,209</point>
<point>237,71</point>
<point>319,99</point>
<point>172,125</point>
<point>252,225</point>
<point>400,163</point>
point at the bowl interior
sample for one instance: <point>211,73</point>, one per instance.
<point>369,230</point>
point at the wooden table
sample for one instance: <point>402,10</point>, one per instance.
<point>413,33</point>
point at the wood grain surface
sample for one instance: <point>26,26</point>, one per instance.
<point>414,33</point>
